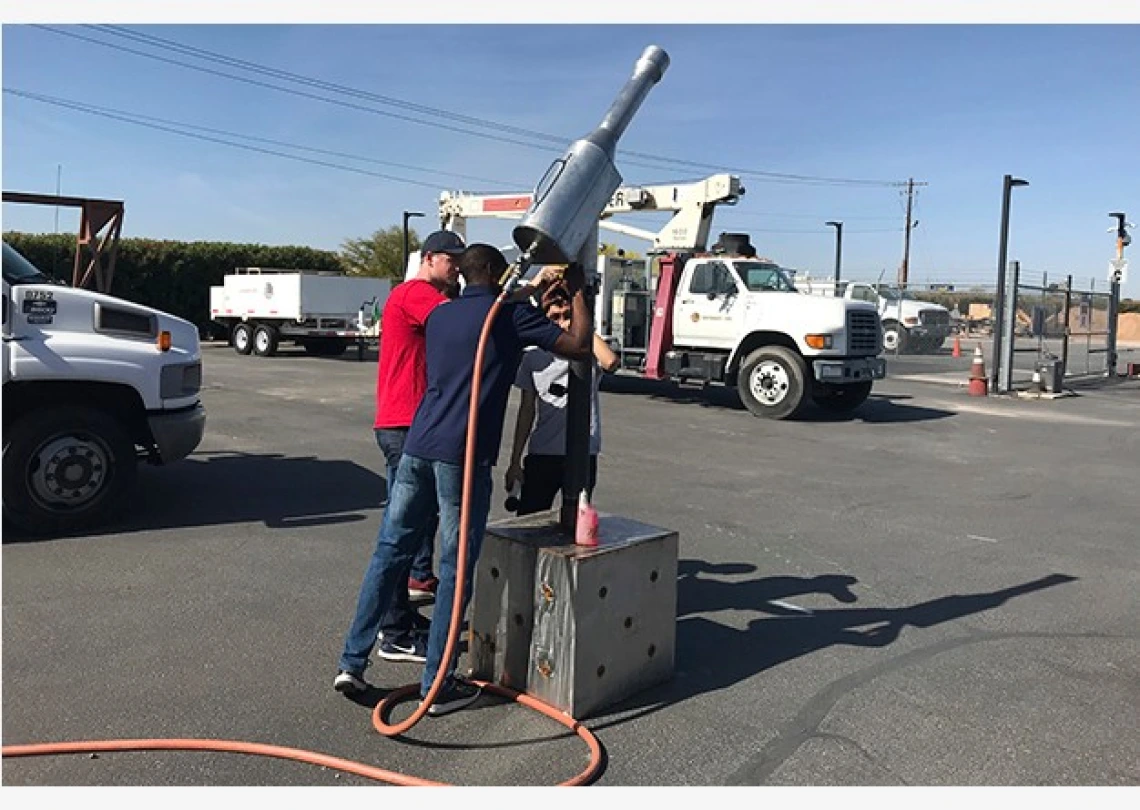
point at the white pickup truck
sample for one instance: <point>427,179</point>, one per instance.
<point>909,325</point>
<point>91,385</point>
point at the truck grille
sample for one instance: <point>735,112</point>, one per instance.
<point>934,317</point>
<point>862,332</point>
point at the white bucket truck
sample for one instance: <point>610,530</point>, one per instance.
<point>715,316</point>
<point>92,384</point>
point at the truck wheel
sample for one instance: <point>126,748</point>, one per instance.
<point>243,338</point>
<point>894,337</point>
<point>840,398</point>
<point>265,340</point>
<point>772,382</point>
<point>66,468</point>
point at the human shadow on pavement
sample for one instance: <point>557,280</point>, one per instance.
<point>697,594</point>
<point>710,656</point>
<point>877,409</point>
<point>214,489</point>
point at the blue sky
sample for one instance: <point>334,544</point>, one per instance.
<point>953,106</point>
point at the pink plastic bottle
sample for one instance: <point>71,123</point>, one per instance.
<point>586,530</point>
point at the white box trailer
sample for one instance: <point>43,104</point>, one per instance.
<point>322,311</point>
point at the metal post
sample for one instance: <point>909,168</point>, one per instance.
<point>407,248</point>
<point>838,251</point>
<point>1065,336</point>
<point>1008,182</point>
<point>1008,338</point>
<point>578,401</point>
<point>1122,241</point>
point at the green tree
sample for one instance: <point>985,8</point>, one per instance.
<point>380,255</point>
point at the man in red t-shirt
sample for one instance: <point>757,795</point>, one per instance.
<point>401,380</point>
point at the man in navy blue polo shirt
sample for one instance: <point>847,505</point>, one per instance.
<point>430,473</point>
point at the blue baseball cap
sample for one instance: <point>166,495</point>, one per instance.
<point>443,242</point>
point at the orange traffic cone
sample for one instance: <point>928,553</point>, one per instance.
<point>957,347</point>
<point>978,385</point>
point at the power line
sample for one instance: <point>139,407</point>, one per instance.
<point>169,45</point>
<point>188,130</point>
<point>125,116</point>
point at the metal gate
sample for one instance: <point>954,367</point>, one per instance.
<point>1051,324</point>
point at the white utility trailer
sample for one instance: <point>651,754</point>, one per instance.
<point>322,311</point>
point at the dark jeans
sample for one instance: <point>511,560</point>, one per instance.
<point>420,489</point>
<point>397,621</point>
<point>391,442</point>
<point>542,480</point>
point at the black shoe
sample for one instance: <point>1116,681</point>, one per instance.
<point>412,648</point>
<point>456,694</point>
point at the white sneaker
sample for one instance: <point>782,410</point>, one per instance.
<point>348,684</point>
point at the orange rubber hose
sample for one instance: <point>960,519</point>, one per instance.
<point>383,707</point>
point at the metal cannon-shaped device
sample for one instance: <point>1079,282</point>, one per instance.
<point>577,187</point>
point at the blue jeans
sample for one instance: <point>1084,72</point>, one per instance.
<point>391,442</point>
<point>419,487</point>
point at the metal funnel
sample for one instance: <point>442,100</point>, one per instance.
<point>577,187</point>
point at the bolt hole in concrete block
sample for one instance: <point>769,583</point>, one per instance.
<point>494,573</point>
<point>652,650</point>
<point>519,619</point>
<point>628,622</point>
<point>602,593</point>
<point>652,576</point>
<point>601,671</point>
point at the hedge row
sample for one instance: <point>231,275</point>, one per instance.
<point>172,276</point>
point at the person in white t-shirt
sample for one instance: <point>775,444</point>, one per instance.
<point>543,379</point>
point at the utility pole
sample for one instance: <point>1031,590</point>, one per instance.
<point>904,269</point>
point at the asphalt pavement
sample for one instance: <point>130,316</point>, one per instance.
<point>940,590</point>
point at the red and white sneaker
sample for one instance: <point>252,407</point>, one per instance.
<point>422,589</point>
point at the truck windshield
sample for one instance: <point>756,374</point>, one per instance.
<point>765,277</point>
<point>895,294</point>
<point>18,270</point>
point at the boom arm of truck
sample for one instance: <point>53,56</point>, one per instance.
<point>692,205</point>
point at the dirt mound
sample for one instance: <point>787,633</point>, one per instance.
<point>1128,326</point>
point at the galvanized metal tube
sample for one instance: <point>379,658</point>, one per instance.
<point>650,67</point>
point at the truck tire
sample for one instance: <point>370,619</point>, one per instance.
<point>773,382</point>
<point>243,338</point>
<point>265,339</point>
<point>841,398</point>
<point>894,337</point>
<point>66,468</point>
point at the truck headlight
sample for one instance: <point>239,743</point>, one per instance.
<point>910,321</point>
<point>818,341</point>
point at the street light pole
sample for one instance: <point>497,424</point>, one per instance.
<point>1008,183</point>
<point>407,252</point>
<point>838,250</point>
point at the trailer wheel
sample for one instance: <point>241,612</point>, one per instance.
<point>66,468</point>
<point>772,382</point>
<point>841,398</point>
<point>265,340</point>
<point>243,338</point>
